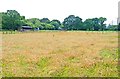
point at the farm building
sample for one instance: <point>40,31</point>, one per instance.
<point>26,28</point>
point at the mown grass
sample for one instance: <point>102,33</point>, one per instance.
<point>60,54</point>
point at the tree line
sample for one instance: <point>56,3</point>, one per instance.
<point>12,20</point>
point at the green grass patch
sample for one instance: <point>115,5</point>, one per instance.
<point>8,74</point>
<point>109,53</point>
<point>22,61</point>
<point>43,62</point>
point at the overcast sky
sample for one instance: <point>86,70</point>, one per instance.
<point>59,9</point>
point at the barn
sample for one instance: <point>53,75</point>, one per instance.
<point>26,28</point>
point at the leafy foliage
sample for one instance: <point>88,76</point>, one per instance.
<point>12,20</point>
<point>72,23</point>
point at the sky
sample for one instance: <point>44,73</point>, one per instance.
<point>60,9</point>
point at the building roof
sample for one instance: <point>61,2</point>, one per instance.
<point>27,27</point>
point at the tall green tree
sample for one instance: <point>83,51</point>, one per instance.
<point>88,25</point>
<point>45,20</point>
<point>95,24</point>
<point>33,22</point>
<point>56,24</point>
<point>72,22</point>
<point>46,26</point>
<point>11,20</point>
<point>101,22</point>
<point>78,23</point>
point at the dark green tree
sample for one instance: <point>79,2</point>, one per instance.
<point>101,22</point>
<point>95,24</point>
<point>88,25</point>
<point>45,20</point>
<point>46,26</point>
<point>33,22</point>
<point>11,20</point>
<point>72,23</point>
<point>56,24</point>
<point>78,23</point>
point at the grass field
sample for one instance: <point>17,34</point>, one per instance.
<point>60,54</point>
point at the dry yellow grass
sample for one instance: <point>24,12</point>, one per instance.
<point>60,54</point>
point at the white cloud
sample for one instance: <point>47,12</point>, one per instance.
<point>59,9</point>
